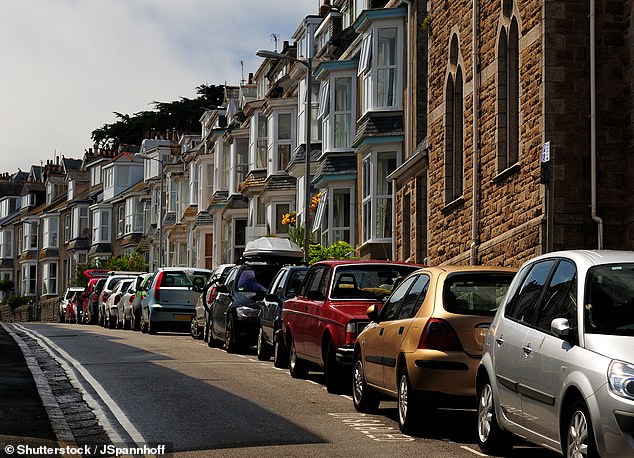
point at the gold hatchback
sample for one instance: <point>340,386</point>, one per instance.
<point>424,345</point>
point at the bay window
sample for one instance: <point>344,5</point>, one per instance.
<point>80,221</point>
<point>193,184</point>
<point>283,141</point>
<point>50,229</point>
<point>101,224</point>
<point>133,215</point>
<point>49,278</point>
<point>29,279</point>
<point>29,236</point>
<point>6,243</point>
<point>376,206</point>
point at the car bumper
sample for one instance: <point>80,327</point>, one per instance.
<point>446,373</point>
<point>345,355</point>
<point>246,330</point>
<point>613,422</point>
<point>171,315</point>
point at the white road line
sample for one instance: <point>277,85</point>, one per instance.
<point>66,361</point>
<point>475,452</point>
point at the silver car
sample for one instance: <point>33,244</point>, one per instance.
<point>558,361</point>
<point>170,298</point>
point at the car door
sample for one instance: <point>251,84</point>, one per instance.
<point>510,336</point>
<point>373,343</point>
<point>397,329</point>
<point>221,303</point>
<point>315,311</point>
<point>543,354</point>
<point>269,307</point>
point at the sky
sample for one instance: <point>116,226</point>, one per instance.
<point>68,65</point>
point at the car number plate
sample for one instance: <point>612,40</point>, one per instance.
<point>182,317</point>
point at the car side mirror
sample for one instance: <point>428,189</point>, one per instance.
<point>561,328</point>
<point>222,289</point>
<point>315,295</point>
<point>373,313</point>
<point>271,298</point>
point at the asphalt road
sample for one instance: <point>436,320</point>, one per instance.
<point>171,390</point>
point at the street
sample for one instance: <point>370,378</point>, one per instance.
<point>173,391</point>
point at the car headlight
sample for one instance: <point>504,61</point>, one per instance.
<point>621,378</point>
<point>247,312</point>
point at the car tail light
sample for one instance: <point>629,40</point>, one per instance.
<point>131,299</point>
<point>351,333</point>
<point>157,286</point>
<point>104,296</point>
<point>439,335</point>
<point>212,295</point>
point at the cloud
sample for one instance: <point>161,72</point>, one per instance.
<point>69,64</point>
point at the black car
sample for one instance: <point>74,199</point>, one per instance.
<point>199,328</point>
<point>270,341</point>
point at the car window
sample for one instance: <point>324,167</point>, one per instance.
<point>315,280</point>
<point>560,297</point>
<point>390,309</point>
<point>294,280</point>
<point>231,277</point>
<point>278,282</point>
<point>415,297</point>
<point>609,307</point>
<point>254,280</point>
<point>524,305</point>
<point>367,281</point>
<point>475,293</point>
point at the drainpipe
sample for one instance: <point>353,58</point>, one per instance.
<point>593,129</point>
<point>475,164</point>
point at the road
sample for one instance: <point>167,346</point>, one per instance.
<point>172,390</point>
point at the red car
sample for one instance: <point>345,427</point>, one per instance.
<point>322,322</point>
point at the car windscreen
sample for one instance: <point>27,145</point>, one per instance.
<point>255,278</point>
<point>475,293</point>
<point>367,281</point>
<point>609,307</point>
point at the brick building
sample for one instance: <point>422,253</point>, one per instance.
<point>532,90</point>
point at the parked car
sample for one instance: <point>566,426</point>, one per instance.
<point>106,318</point>
<point>283,287</point>
<point>170,300</point>
<point>234,313</point>
<point>66,307</point>
<point>129,307</point>
<point>114,300</point>
<point>94,289</point>
<point>423,347</point>
<point>200,322</point>
<point>321,323</point>
<point>558,361</point>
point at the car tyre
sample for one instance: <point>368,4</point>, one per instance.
<point>264,352</point>
<point>152,328</point>
<point>144,326</point>
<point>492,439</point>
<point>334,373</point>
<point>112,322</point>
<point>230,344</point>
<point>364,398</point>
<point>206,330</point>
<point>195,330</point>
<point>579,433</point>
<point>407,406</point>
<point>280,355</point>
<point>296,366</point>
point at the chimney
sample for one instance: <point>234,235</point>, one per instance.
<point>325,8</point>
<point>250,78</point>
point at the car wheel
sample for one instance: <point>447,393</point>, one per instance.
<point>152,328</point>
<point>364,398</point>
<point>61,317</point>
<point>127,322</point>
<point>296,366</point>
<point>112,322</point>
<point>492,439</point>
<point>579,434</point>
<point>264,352</point>
<point>230,344</point>
<point>333,371</point>
<point>280,355</point>
<point>144,327</point>
<point>408,408</point>
<point>206,330</point>
<point>193,329</point>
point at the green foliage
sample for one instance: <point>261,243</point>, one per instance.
<point>338,250</point>
<point>15,301</point>
<point>6,285</point>
<point>181,115</point>
<point>129,263</point>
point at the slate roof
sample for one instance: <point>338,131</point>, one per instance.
<point>299,155</point>
<point>280,182</point>
<point>379,125</point>
<point>336,165</point>
<point>237,202</point>
<point>203,218</point>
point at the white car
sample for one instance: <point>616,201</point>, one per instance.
<point>112,303</point>
<point>66,313</point>
<point>558,361</point>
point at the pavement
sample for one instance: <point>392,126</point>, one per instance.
<point>23,418</point>
<point>42,412</point>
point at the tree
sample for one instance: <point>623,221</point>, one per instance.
<point>182,115</point>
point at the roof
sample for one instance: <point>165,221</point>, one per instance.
<point>336,165</point>
<point>379,125</point>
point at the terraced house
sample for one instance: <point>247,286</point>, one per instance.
<point>464,132</point>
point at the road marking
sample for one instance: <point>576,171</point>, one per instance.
<point>66,361</point>
<point>372,427</point>
<point>475,452</point>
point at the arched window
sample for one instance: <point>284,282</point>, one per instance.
<point>508,110</point>
<point>454,127</point>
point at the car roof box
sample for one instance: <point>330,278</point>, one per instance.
<point>272,249</point>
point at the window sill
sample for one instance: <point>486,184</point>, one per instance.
<point>451,206</point>
<point>504,174</point>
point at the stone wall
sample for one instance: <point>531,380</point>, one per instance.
<point>48,312</point>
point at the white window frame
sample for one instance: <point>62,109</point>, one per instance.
<point>133,215</point>
<point>121,220</point>
<point>193,183</point>
<point>29,236</point>
<point>6,243</point>
<point>278,142</point>
<point>49,278</point>
<point>50,231</point>
<point>80,220</point>
<point>240,161</point>
<point>102,225</point>
<point>29,279</point>
<point>370,198</point>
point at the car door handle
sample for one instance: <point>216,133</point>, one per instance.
<point>381,331</point>
<point>400,330</point>
<point>499,340</point>
<point>305,308</point>
<point>527,349</point>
